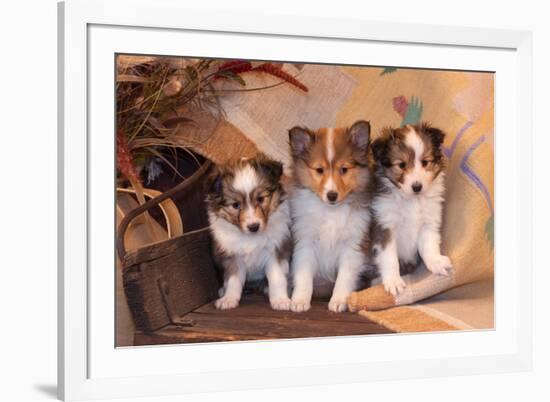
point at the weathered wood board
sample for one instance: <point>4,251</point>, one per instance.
<point>255,320</point>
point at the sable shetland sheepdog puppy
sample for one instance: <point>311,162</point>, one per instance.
<point>329,211</point>
<point>250,223</point>
<point>407,203</point>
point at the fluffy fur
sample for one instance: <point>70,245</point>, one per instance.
<point>250,224</point>
<point>329,211</point>
<point>407,204</point>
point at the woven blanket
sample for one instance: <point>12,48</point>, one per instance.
<point>460,103</point>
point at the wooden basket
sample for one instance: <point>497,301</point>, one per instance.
<point>165,281</point>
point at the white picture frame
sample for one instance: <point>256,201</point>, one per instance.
<point>90,367</point>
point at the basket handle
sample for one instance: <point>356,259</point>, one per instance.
<point>153,202</point>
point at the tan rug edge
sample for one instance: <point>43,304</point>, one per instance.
<point>408,319</point>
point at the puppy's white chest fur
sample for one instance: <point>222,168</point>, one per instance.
<point>405,215</point>
<point>253,250</point>
<point>329,230</point>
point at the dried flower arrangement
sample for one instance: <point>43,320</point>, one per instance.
<point>156,97</point>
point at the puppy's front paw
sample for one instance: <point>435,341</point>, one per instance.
<point>439,265</point>
<point>226,303</point>
<point>300,305</point>
<point>394,284</point>
<point>280,303</point>
<point>337,304</point>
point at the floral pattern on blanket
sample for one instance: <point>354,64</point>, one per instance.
<point>460,103</point>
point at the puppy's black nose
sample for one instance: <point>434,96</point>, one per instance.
<point>253,227</point>
<point>417,187</point>
<point>332,196</point>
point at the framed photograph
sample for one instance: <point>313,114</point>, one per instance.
<point>247,201</point>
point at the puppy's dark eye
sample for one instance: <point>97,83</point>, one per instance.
<point>260,199</point>
<point>343,170</point>
<point>402,165</point>
<point>320,170</point>
<point>236,205</point>
<point>425,162</point>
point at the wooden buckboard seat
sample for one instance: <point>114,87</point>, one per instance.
<point>170,287</point>
<point>255,320</point>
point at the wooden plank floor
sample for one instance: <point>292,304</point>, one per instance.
<point>255,320</point>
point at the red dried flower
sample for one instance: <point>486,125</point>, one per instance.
<point>271,69</point>
<point>124,159</point>
<point>234,66</point>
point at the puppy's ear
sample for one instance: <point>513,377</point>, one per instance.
<point>380,146</point>
<point>272,169</point>
<point>214,184</point>
<point>300,139</point>
<point>359,134</point>
<point>436,135</point>
<point>377,147</point>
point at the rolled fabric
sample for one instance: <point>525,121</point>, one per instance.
<point>375,298</point>
<point>420,285</point>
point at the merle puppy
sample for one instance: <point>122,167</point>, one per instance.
<point>250,224</point>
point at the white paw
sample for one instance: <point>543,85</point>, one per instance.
<point>299,305</point>
<point>439,265</point>
<point>226,303</point>
<point>280,303</point>
<point>394,284</point>
<point>337,304</point>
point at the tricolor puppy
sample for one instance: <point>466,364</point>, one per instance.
<point>329,211</point>
<point>407,204</point>
<point>250,224</point>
